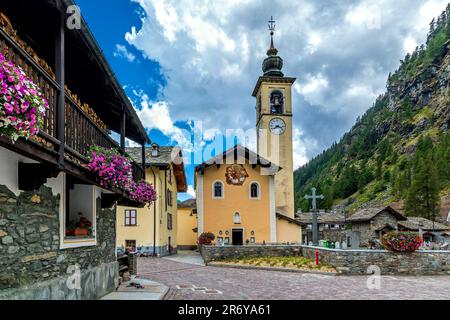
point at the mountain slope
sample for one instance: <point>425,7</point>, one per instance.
<point>405,133</point>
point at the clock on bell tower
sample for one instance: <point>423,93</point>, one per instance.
<point>274,124</point>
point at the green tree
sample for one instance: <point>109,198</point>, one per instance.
<point>423,195</point>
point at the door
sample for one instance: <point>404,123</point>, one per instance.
<point>237,237</point>
<point>170,246</point>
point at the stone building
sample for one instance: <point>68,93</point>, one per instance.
<point>430,231</point>
<point>331,226</point>
<point>46,190</point>
<point>370,224</point>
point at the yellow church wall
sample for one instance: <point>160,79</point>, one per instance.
<point>218,214</point>
<point>186,222</point>
<point>284,179</point>
<point>288,231</point>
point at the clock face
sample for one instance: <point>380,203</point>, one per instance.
<point>277,126</point>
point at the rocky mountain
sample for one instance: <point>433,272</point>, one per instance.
<point>398,152</point>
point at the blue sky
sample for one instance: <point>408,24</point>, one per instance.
<point>196,60</point>
<point>135,72</point>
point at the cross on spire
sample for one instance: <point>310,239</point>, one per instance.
<point>272,25</point>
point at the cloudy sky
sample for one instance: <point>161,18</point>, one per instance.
<point>191,60</point>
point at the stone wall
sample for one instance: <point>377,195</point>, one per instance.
<point>214,253</point>
<point>390,263</point>
<point>30,254</point>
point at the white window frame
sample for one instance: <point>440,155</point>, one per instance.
<point>250,190</point>
<point>240,218</point>
<point>213,189</point>
<point>76,243</point>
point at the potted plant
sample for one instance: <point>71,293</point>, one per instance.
<point>206,238</point>
<point>401,241</point>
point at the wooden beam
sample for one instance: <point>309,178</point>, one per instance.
<point>123,124</point>
<point>109,199</point>
<point>60,78</point>
<point>126,202</point>
<point>143,158</point>
<point>33,175</point>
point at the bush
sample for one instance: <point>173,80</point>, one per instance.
<point>206,238</point>
<point>401,241</point>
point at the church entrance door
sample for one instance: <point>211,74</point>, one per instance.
<point>237,237</point>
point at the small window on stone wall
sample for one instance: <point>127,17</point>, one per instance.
<point>79,220</point>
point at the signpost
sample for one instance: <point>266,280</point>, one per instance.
<point>315,230</point>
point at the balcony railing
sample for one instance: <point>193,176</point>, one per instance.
<point>80,130</point>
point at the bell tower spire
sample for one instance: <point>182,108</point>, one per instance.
<point>273,93</point>
<point>273,64</point>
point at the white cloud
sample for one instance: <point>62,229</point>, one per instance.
<point>155,115</point>
<point>409,44</point>
<point>122,51</point>
<point>313,88</point>
<point>299,147</point>
<point>211,53</point>
<point>190,191</point>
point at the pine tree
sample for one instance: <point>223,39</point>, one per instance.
<point>423,195</point>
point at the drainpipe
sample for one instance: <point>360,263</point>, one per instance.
<point>154,216</point>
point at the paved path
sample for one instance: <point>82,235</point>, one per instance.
<point>195,281</point>
<point>152,291</point>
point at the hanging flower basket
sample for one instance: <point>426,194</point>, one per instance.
<point>115,170</point>
<point>143,192</point>
<point>401,241</point>
<point>22,105</point>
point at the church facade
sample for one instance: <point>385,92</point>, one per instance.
<point>245,197</point>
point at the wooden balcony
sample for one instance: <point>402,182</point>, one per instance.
<point>68,129</point>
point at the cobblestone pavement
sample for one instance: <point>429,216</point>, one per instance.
<point>189,281</point>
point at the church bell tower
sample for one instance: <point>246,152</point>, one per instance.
<point>274,124</point>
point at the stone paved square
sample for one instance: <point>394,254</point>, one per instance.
<point>242,284</point>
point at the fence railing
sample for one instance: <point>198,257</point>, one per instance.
<point>80,130</point>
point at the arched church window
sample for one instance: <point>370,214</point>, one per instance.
<point>237,218</point>
<point>276,102</point>
<point>254,190</point>
<point>218,189</point>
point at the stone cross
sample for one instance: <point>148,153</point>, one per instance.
<point>314,197</point>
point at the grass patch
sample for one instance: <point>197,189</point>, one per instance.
<point>296,262</point>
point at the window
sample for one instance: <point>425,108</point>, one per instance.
<point>80,206</point>
<point>276,102</point>
<point>130,244</point>
<point>237,218</point>
<point>169,221</point>
<point>218,190</point>
<point>254,190</point>
<point>169,175</point>
<point>130,217</point>
<point>155,150</point>
<point>169,198</point>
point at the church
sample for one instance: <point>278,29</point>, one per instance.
<point>245,197</point>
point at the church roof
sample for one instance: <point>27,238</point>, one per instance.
<point>239,151</point>
<point>288,219</point>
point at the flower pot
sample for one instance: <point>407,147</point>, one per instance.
<point>80,232</point>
